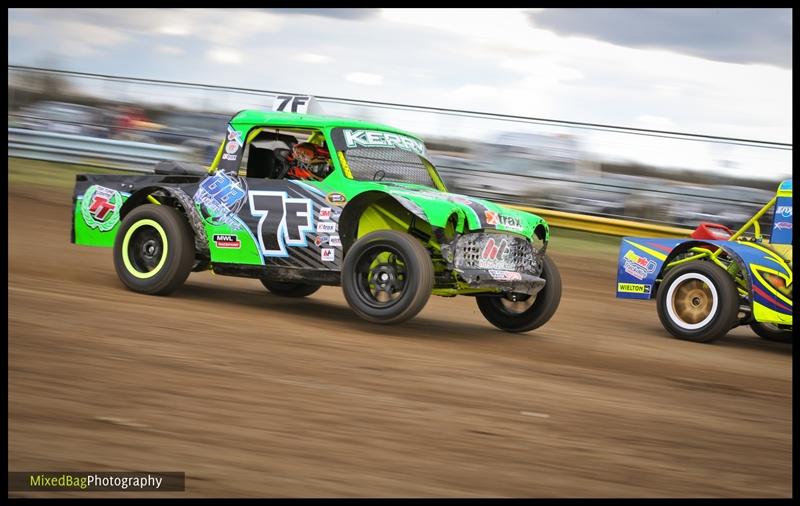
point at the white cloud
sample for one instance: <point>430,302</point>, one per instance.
<point>22,29</point>
<point>174,29</point>
<point>226,56</point>
<point>364,78</point>
<point>170,50</point>
<point>312,58</point>
<point>84,39</point>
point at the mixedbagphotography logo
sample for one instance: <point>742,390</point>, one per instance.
<point>85,481</point>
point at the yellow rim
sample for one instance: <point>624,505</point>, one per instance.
<point>126,239</point>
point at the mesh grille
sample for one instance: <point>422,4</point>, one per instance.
<point>366,164</point>
<point>512,253</point>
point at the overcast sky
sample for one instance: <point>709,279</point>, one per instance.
<point>713,71</point>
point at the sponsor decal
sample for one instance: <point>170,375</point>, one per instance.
<point>321,239</point>
<point>220,197</point>
<point>235,136</point>
<point>326,227</point>
<point>633,288</point>
<point>327,254</point>
<point>784,211</point>
<point>783,225</point>
<point>493,250</point>
<point>505,275</point>
<point>336,199</point>
<point>234,143</point>
<point>376,139</point>
<point>325,213</point>
<point>336,241</point>
<point>227,241</point>
<point>508,222</point>
<point>100,207</point>
<point>638,266</point>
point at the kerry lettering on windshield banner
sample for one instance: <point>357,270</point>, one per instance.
<point>347,138</point>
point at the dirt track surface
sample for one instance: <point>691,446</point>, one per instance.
<point>254,395</point>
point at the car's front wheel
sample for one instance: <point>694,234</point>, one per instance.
<point>154,250</point>
<point>523,313</point>
<point>698,302</point>
<point>387,277</point>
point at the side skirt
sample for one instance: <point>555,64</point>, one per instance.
<point>285,274</point>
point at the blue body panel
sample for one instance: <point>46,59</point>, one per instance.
<point>641,261</point>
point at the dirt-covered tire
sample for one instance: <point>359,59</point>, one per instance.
<point>772,332</point>
<point>285,289</point>
<point>154,250</point>
<point>698,302</point>
<point>387,277</point>
<point>525,314</point>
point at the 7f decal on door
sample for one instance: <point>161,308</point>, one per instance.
<point>284,221</point>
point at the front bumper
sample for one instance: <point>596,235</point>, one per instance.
<point>498,262</point>
<point>505,281</point>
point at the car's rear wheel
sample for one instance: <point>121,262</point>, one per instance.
<point>772,332</point>
<point>698,302</point>
<point>387,277</point>
<point>523,313</point>
<point>285,289</point>
<point>154,250</point>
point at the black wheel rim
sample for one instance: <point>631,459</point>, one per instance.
<point>380,276</point>
<point>145,248</point>
<point>514,304</point>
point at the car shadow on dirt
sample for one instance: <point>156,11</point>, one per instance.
<point>339,315</point>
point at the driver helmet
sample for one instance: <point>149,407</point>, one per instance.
<point>309,161</point>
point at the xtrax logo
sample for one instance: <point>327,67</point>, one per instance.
<point>509,222</point>
<point>283,222</point>
<point>326,227</point>
<point>220,197</point>
<point>227,241</point>
<point>637,266</point>
<point>784,211</point>
<point>783,225</point>
<point>100,207</point>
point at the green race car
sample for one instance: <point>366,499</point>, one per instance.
<point>361,207</point>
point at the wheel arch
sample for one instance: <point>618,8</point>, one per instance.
<point>686,246</point>
<point>378,210</point>
<point>179,200</point>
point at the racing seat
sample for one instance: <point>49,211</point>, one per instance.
<point>261,163</point>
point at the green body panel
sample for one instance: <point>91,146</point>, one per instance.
<point>88,236</point>
<point>247,253</point>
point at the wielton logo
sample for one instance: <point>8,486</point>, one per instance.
<point>100,207</point>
